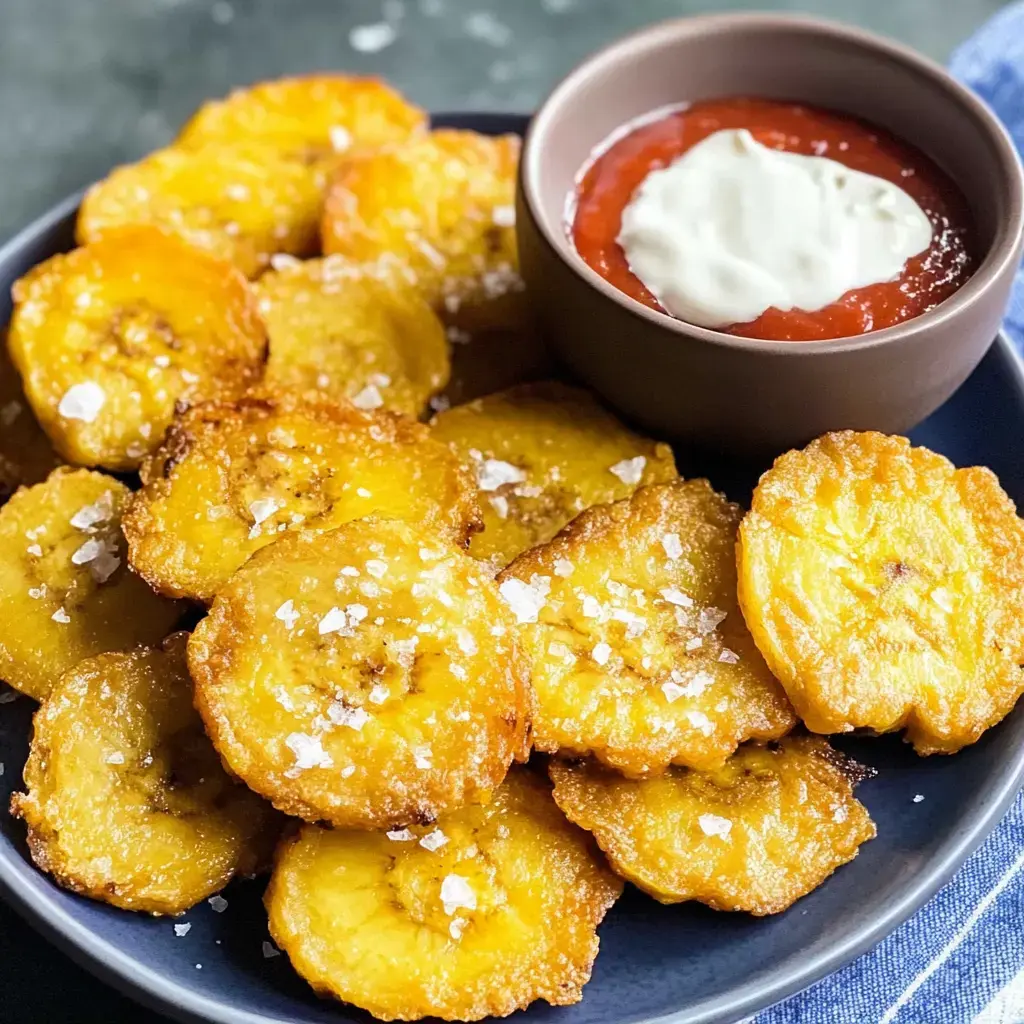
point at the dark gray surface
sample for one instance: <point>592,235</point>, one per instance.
<point>88,83</point>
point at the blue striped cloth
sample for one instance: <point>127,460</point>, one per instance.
<point>959,960</point>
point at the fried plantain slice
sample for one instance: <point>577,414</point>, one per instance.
<point>65,590</point>
<point>442,204</point>
<point>541,454</point>
<point>343,333</point>
<point>239,204</point>
<point>309,118</point>
<point>126,801</point>
<point>367,677</point>
<point>495,906</point>
<point>26,454</point>
<point>885,588</point>
<point>640,654</point>
<point>766,828</point>
<point>232,478</point>
<point>111,338</point>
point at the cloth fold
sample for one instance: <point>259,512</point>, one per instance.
<point>960,959</point>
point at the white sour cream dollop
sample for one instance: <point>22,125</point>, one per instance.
<point>733,228</point>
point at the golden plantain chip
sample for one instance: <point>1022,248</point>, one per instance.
<point>65,590</point>
<point>541,454</point>
<point>110,338</point>
<point>26,454</point>
<point>369,676</point>
<point>126,801</point>
<point>232,478</point>
<point>640,654</point>
<point>495,906</point>
<point>885,588</point>
<point>309,118</point>
<point>758,833</point>
<point>442,204</point>
<point>338,331</point>
<point>239,204</point>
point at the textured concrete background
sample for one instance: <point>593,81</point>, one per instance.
<point>85,84</point>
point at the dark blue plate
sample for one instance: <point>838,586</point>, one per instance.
<point>682,963</point>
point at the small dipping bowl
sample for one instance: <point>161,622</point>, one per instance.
<point>736,395</point>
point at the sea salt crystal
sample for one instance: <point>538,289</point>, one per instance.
<point>354,718</point>
<point>99,511</point>
<point>709,619</point>
<point>356,613</point>
<point>700,721</point>
<point>261,509</point>
<point>465,640</point>
<point>504,216</point>
<point>379,380</point>
<point>308,751</point>
<point>270,950</point>
<point>333,621</point>
<point>421,756</point>
<point>61,616</point>
<point>591,607</point>
<point>401,835</point>
<point>500,505</point>
<point>563,567</point>
<point>82,402</point>
<point>839,815</point>
<point>456,927</point>
<point>944,599</point>
<point>714,825</point>
<point>218,904</point>
<point>37,592</point>
<point>918,798</point>
<point>433,840</point>
<point>675,596</point>
<point>629,471</point>
<point>341,138</point>
<point>601,653</point>
<point>115,758</point>
<point>372,38</point>
<point>287,614</point>
<point>694,643</point>
<point>284,261</point>
<point>493,473</point>
<point>728,657</point>
<point>456,893</point>
<point>182,929</point>
<point>91,549</point>
<point>37,551</point>
<point>526,599</point>
<point>376,567</point>
<point>369,398</point>
<point>672,545</point>
<point>379,693</point>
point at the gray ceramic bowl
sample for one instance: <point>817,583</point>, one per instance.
<point>733,394</point>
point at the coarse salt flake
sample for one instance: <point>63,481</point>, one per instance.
<point>354,718</point>
<point>601,653</point>
<point>675,596</point>
<point>341,138</point>
<point>400,835</point>
<point>334,620</point>
<point>287,614</point>
<point>262,509</point>
<point>270,950</point>
<point>714,825</point>
<point>182,929</point>
<point>672,545</point>
<point>456,893</point>
<point>376,567</point>
<point>526,599</point>
<point>918,798</point>
<point>433,840</point>
<point>369,398</point>
<point>563,567</point>
<point>700,721</point>
<point>308,751</point>
<point>629,471</point>
<point>82,402</point>
<point>493,473</point>
<point>465,641</point>
<point>728,657</point>
<point>218,904</point>
<point>60,615</point>
<point>98,512</point>
<point>372,38</point>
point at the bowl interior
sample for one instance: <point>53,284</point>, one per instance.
<point>777,57</point>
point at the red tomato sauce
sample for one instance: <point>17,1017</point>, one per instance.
<point>608,184</point>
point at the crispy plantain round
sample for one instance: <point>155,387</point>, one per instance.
<point>885,588</point>
<point>309,118</point>
<point>495,906</point>
<point>26,454</point>
<point>239,204</point>
<point>337,330</point>
<point>65,590</point>
<point>110,338</point>
<point>541,454</point>
<point>232,478</point>
<point>766,828</point>
<point>640,654</point>
<point>367,677</point>
<point>443,204</point>
<point>126,801</point>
